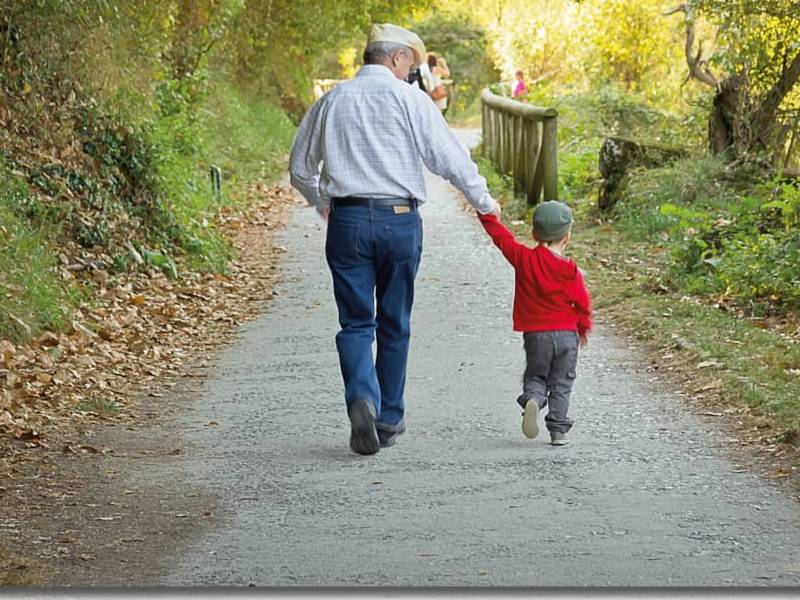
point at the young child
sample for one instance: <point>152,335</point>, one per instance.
<point>552,308</point>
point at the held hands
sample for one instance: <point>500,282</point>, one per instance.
<point>497,210</point>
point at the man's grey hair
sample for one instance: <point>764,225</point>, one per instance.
<point>380,53</point>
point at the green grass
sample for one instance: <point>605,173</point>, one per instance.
<point>32,295</point>
<point>247,137</point>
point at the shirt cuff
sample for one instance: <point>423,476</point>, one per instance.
<point>486,204</point>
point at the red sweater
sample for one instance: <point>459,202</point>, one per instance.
<point>549,292</point>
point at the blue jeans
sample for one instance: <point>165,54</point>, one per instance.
<point>374,255</point>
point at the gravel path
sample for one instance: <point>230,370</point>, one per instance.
<point>644,495</point>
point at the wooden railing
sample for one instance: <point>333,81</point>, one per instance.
<point>522,140</point>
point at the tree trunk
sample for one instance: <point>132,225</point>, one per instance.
<point>723,126</point>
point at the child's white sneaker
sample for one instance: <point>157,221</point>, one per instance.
<point>558,439</point>
<point>530,419</point>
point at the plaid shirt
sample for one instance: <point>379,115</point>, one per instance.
<point>372,135</point>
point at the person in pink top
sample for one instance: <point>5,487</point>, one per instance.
<point>519,88</point>
<point>552,309</point>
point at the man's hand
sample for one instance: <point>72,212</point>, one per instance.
<point>495,211</point>
<point>325,213</point>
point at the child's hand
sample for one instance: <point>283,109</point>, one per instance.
<point>583,339</point>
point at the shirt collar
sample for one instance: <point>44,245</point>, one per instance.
<point>376,70</point>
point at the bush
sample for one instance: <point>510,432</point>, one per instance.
<point>731,235</point>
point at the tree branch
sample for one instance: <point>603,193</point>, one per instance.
<point>773,98</point>
<point>696,64</point>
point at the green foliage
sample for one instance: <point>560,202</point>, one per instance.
<point>587,118</point>
<point>630,42</point>
<point>727,235</point>
<point>245,136</point>
<point>755,37</point>
<point>463,44</point>
<point>275,45</point>
<point>113,113</point>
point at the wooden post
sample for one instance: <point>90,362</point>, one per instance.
<point>550,158</point>
<point>536,171</point>
<point>519,155</point>
<point>501,142</point>
<point>484,127</point>
<point>492,136</point>
<point>507,147</point>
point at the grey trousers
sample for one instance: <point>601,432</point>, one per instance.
<point>551,358</point>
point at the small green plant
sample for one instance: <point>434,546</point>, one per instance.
<point>99,405</point>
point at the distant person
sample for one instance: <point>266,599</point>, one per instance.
<point>358,158</point>
<point>518,88</point>
<point>441,69</point>
<point>437,91</point>
<point>552,309</point>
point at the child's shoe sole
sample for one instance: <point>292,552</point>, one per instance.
<point>530,419</point>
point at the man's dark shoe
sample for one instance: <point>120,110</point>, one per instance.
<point>363,435</point>
<point>388,438</point>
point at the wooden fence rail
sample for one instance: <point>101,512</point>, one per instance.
<point>522,140</point>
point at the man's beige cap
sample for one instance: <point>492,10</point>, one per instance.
<point>386,32</point>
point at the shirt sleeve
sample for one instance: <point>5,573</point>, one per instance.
<point>445,156</point>
<point>579,295</point>
<point>503,239</point>
<point>305,158</point>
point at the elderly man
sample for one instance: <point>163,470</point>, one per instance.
<point>372,134</point>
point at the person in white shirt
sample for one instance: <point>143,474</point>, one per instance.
<point>371,135</point>
<point>437,91</point>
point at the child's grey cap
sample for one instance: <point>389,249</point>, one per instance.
<point>552,220</point>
